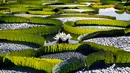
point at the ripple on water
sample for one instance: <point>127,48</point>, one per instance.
<point>10,47</point>
<point>65,55</point>
<point>30,15</point>
<point>122,42</point>
<point>74,19</point>
<point>18,26</point>
<point>100,27</point>
<point>111,69</point>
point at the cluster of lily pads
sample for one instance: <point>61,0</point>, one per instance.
<point>54,36</point>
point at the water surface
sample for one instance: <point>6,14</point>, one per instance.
<point>111,12</point>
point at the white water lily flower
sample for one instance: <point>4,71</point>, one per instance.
<point>63,37</point>
<point>69,36</point>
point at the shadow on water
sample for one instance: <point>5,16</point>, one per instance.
<point>49,37</point>
<point>85,49</point>
<point>97,65</point>
<point>123,65</point>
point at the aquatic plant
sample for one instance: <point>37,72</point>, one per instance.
<point>62,38</point>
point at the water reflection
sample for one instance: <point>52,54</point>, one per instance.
<point>111,12</point>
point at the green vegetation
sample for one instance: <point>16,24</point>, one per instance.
<point>70,26</point>
<point>123,58</point>
<point>57,48</point>
<point>72,11</point>
<point>94,58</point>
<point>88,47</point>
<point>103,6</point>
<point>18,10</point>
<point>120,11</point>
<point>37,20</point>
<point>77,1</point>
<point>89,0</point>
<point>98,47</point>
<point>42,12</point>
<point>68,65</point>
<point>88,16</point>
<point>45,21</point>
<point>127,7</point>
<point>77,30</point>
<point>36,63</point>
<point>110,1</point>
<point>66,1</point>
<point>128,12</point>
<point>38,2</point>
<point>53,25</point>
<point>27,38</point>
<point>12,19</point>
<point>120,6</point>
<point>38,31</point>
<point>1,1</point>
<point>24,53</point>
<point>46,30</point>
<point>88,10</point>
<point>118,23</point>
<point>96,54</point>
<point>110,33</point>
